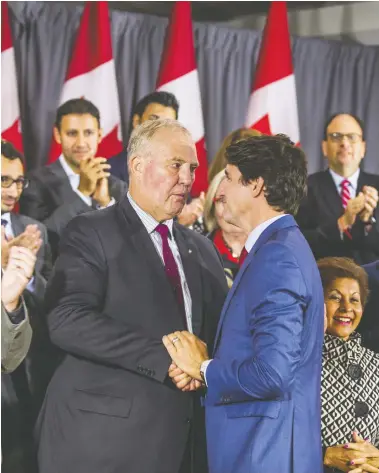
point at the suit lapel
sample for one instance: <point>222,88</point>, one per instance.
<point>64,188</point>
<point>147,252</point>
<point>283,222</point>
<point>190,259</point>
<point>330,193</point>
<point>17,225</point>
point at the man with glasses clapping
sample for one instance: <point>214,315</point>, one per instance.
<point>340,216</point>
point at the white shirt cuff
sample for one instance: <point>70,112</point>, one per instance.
<point>112,202</point>
<point>203,368</point>
<point>87,199</point>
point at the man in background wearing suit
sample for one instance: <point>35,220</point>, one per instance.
<point>369,326</point>
<point>17,410</point>
<point>154,106</point>
<point>78,181</point>
<point>263,397</point>
<point>340,215</point>
<point>125,276</point>
<point>17,229</point>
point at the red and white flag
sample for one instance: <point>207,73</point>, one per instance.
<point>178,75</point>
<point>10,109</point>
<point>91,74</point>
<point>273,104</point>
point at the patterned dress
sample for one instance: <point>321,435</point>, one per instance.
<point>349,391</point>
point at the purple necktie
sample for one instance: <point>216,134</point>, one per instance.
<point>171,268</point>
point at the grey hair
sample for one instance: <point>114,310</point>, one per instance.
<point>142,134</point>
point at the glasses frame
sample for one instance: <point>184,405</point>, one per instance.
<point>21,183</point>
<point>351,137</point>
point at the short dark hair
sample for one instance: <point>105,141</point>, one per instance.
<point>79,106</point>
<point>281,164</point>
<point>163,98</point>
<point>332,117</point>
<point>10,152</point>
<point>333,268</point>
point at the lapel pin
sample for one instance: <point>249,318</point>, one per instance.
<point>189,251</point>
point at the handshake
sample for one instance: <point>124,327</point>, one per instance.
<point>187,353</point>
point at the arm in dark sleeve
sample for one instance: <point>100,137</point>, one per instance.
<point>36,202</point>
<point>76,320</point>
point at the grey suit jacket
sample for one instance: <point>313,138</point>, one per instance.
<point>50,199</point>
<point>15,340</point>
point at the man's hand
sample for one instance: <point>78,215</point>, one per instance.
<point>102,195</point>
<point>191,212</point>
<point>187,351</point>
<point>91,171</point>
<point>30,238</point>
<point>181,380</point>
<point>16,276</point>
<point>370,204</point>
<point>353,208</point>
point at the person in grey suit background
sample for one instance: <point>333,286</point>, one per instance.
<point>123,278</point>
<point>17,229</point>
<point>78,181</point>
<point>16,331</point>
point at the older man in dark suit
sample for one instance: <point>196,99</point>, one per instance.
<point>340,216</point>
<point>125,276</point>
<point>78,181</point>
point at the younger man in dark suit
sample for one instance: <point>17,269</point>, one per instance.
<point>78,181</point>
<point>340,216</point>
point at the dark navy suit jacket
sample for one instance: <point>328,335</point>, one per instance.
<point>119,167</point>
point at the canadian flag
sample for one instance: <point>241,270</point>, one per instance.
<point>10,109</point>
<point>273,104</point>
<point>91,74</point>
<point>178,75</point>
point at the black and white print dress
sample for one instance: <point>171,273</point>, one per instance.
<point>349,391</point>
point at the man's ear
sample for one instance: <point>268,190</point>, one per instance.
<point>136,120</point>
<point>323,147</point>
<point>257,186</point>
<point>363,149</point>
<point>101,134</point>
<point>57,135</point>
<point>135,165</point>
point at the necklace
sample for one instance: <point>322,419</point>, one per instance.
<point>235,255</point>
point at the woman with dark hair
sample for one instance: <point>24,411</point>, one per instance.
<point>350,379</point>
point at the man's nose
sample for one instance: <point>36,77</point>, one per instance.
<point>80,141</point>
<point>12,191</point>
<point>186,176</point>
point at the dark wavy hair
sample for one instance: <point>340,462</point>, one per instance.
<point>10,152</point>
<point>281,164</point>
<point>163,98</point>
<point>78,106</point>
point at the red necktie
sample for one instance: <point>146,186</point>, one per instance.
<point>243,255</point>
<point>171,268</point>
<point>345,192</point>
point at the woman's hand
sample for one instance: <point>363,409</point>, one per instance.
<point>340,457</point>
<point>364,466</point>
<point>369,463</point>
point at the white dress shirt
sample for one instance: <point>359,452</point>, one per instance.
<point>353,182</point>
<point>74,180</point>
<point>9,233</point>
<point>151,224</point>
<point>250,242</point>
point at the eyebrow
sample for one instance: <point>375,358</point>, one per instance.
<point>339,292</point>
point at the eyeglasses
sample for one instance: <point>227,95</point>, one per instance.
<point>338,137</point>
<point>7,181</point>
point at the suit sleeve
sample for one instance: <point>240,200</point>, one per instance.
<point>16,336</point>
<point>36,203</point>
<point>274,307</point>
<point>76,321</point>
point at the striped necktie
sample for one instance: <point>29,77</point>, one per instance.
<point>345,192</point>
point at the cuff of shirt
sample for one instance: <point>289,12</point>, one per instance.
<point>112,202</point>
<point>18,315</point>
<point>203,368</point>
<point>87,199</point>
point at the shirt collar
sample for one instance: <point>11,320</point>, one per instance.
<point>335,347</point>
<point>149,222</point>
<point>66,168</point>
<point>6,216</point>
<point>257,232</point>
<point>353,179</point>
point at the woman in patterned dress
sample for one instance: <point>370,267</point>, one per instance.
<point>350,378</point>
